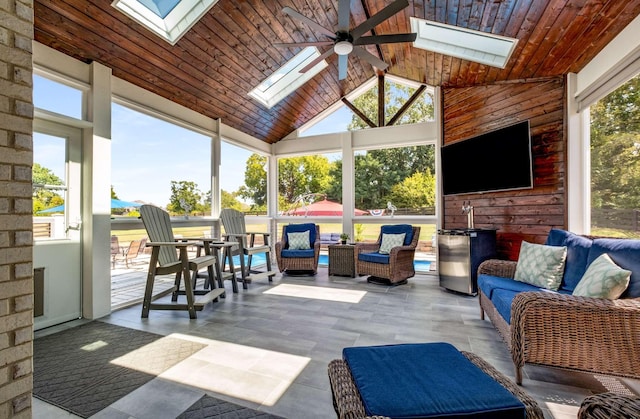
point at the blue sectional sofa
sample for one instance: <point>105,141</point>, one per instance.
<point>554,327</point>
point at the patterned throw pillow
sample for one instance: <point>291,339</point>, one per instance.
<point>298,241</point>
<point>541,265</point>
<point>390,241</point>
<point>603,279</point>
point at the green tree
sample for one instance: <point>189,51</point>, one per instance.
<point>615,148</point>
<point>396,96</point>
<point>185,197</point>
<point>255,181</point>
<point>417,190</point>
<point>229,200</point>
<point>44,198</point>
<point>302,175</point>
<point>113,193</point>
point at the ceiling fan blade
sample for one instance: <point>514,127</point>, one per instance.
<point>316,61</point>
<point>379,17</point>
<point>342,67</point>
<point>309,22</point>
<point>303,44</point>
<point>344,12</point>
<point>386,39</point>
<point>370,58</point>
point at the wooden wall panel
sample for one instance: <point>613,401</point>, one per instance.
<point>524,214</point>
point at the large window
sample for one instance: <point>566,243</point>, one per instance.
<point>615,162</point>
<point>310,186</point>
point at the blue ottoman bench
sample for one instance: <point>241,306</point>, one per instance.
<point>423,380</point>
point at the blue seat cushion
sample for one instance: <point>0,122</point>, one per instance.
<point>502,300</point>
<point>407,229</point>
<point>299,228</point>
<point>306,253</point>
<point>427,380</point>
<point>626,254</point>
<point>374,257</point>
<point>489,283</point>
<point>577,254</point>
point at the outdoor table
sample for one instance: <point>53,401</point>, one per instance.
<point>216,246</point>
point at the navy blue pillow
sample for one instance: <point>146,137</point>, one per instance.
<point>407,229</point>
<point>577,255</point>
<point>427,380</point>
<point>300,228</point>
<point>626,254</point>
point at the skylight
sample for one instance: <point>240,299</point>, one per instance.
<point>170,19</point>
<point>287,78</point>
<point>481,47</point>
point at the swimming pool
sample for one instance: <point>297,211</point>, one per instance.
<point>323,260</point>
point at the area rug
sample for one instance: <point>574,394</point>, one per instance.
<point>209,407</point>
<point>86,368</point>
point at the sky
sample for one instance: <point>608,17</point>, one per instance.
<point>148,153</point>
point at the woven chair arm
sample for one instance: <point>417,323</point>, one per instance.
<point>609,405</point>
<point>567,330</point>
<point>496,267</point>
<point>367,247</point>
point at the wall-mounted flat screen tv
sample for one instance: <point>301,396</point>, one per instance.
<point>496,161</point>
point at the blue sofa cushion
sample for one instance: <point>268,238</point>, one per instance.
<point>306,253</point>
<point>577,254</point>
<point>502,300</point>
<point>299,228</point>
<point>374,257</point>
<point>489,283</point>
<point>407,229</point>
<point>626,254</point>
<point>427,380</point>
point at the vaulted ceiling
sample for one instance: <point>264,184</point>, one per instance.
<point>228,52</point>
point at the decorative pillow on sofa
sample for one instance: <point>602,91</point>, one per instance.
<point>298,241</point>
<point>390,241</point>
<point>603,279</point>
<point>541,265</point>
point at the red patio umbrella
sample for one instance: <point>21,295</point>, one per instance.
<point>322,208</point>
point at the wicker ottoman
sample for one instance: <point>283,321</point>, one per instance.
<point>348,404</point>
<point>342,260</point>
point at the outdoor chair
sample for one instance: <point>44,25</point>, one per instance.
<point>390,259</point>
<point>169,256</point>
<point>299,248</point>
<point>115,250</point>
<point>131,253</point>
<point>235,230</point>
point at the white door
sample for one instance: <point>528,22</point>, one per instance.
<point>57,251</point>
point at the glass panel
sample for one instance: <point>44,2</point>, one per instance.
<point>615,162</point>
<point>156,162</point>
<point>383,186</point>
<point>47,95</point>
<point>244,183</point>
<point>310,185</point>
<point>49,186</point>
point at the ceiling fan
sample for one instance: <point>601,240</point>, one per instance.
<point>345,41</point>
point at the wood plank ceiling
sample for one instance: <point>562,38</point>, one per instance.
<point>228,52</point>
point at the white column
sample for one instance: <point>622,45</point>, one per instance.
<point>578,181</point>
<point>96,197</point>
<point>348,182</point>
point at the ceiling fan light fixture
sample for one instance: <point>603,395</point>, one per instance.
<point>343,48</point>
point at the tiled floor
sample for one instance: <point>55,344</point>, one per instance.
<point>268,347</point>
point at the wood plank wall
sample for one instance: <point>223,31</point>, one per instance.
<point>524,214</point>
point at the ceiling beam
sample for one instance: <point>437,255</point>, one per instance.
<point>406,105</point>
<point>358,112</point>
<point>381,100</point>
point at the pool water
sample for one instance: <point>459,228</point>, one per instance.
<point>260,259</point>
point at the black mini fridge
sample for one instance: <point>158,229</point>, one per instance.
<point>460,252</point>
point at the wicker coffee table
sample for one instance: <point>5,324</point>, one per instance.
<point>348,404</point>
<point>341,260</point>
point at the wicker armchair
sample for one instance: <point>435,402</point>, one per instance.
<point>609,405</point>
<point>400,264</point>
<point>565,331</point>
<point>299,260</point>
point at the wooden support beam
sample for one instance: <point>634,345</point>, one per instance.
<point>358,112</point>
<point>381,100</point>
<point>406,105</point>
